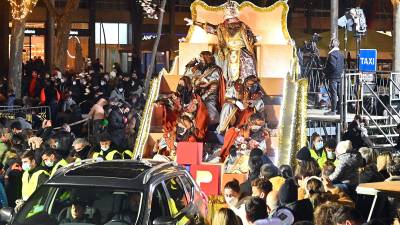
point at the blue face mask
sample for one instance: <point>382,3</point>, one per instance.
<point>319,145</point>
<point>26,166</point>
<point>330,154</point>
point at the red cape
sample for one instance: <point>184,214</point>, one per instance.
<point>230,135</point>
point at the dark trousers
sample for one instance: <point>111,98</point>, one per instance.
<point>335,93</point>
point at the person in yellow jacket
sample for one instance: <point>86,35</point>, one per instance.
<point>106,151</point>
<point>53,161</point>
<point>127,154</point>
<point>33,176</point>
<point>317,150</point>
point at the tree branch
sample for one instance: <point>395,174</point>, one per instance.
<point>70,7</point>
<point>51,8</point>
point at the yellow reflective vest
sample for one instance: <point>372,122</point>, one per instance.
<point>320,159</point>
<point>29,184</point>
<point>127,154</point>
<point>109,156</point>
<point>58,165</point>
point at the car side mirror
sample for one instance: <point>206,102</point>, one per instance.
<point>164,221</point>
<point>6,214</point>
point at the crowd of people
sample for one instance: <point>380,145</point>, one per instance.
<point>85,109</point>
<point>218,101</point>
<point>321,190</point>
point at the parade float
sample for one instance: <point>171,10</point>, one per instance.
<point>276,65</point>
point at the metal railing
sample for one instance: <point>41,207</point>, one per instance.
<point>365,93</point>
<point>326,129</point>
<point>375,96</point>
<point>42,111</point>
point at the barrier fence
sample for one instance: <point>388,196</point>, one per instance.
<point>43,112</point>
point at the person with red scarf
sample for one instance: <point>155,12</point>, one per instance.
<point>184,103</point>
<point>35,85</point>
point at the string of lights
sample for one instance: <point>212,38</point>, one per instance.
<point>20,9</point>
<point>149,8</point>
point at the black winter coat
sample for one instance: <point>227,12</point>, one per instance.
<point>116,126</point>
<point>334,65</point>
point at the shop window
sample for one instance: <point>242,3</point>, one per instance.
<point>110,31</point>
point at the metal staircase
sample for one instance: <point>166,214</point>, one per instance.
<point>375,97</point>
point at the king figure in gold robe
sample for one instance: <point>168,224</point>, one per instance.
<point>236,54</point>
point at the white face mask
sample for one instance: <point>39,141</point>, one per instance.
<point>255,127</point>
<point>330,154</point>
<point>231,201</point>
<point>49,163</point>
<point>74,83</point>
<point>105,148</point>
<point>120,90</point>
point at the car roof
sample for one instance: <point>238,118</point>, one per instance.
<point>114,173</point>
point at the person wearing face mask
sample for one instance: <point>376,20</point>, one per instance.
<point>184,102</point>
<point>76,90</point>
<point>68,101</point>
<point>53,161</point>
<point>80,150</point>
<point>356,133</point>
<point>330,147</point>
<point>35,85</point>
<point>104,87</point>
<point>117,122</point>
<point>118,93</point>
<point>185,130</point>
<point>206,84</point>
<point>251,136</point>
<point>317,150</point>
<point>106,149</point>
<point>234,199</point>
<point>252,99</point>
<point>232,193</point>
<point>33,176</point>
<point>240,102</point>
<point>50,96</point>
<point>127,83</point>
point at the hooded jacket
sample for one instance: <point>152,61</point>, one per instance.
<point>347,170</point>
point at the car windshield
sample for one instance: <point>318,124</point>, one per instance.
<point>54,205</point>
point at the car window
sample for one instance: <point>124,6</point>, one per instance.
<point>85,205</point>
<point>188,186</point>
<point>159,204</point>
<point>178,199</point>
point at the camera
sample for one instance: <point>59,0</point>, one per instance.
<point>311,45</point>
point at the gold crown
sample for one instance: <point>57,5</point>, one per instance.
<point>231,10</point>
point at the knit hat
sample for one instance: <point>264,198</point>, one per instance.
<point>304,154</point>
<point>343,147</point>
<point>288,192</point>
